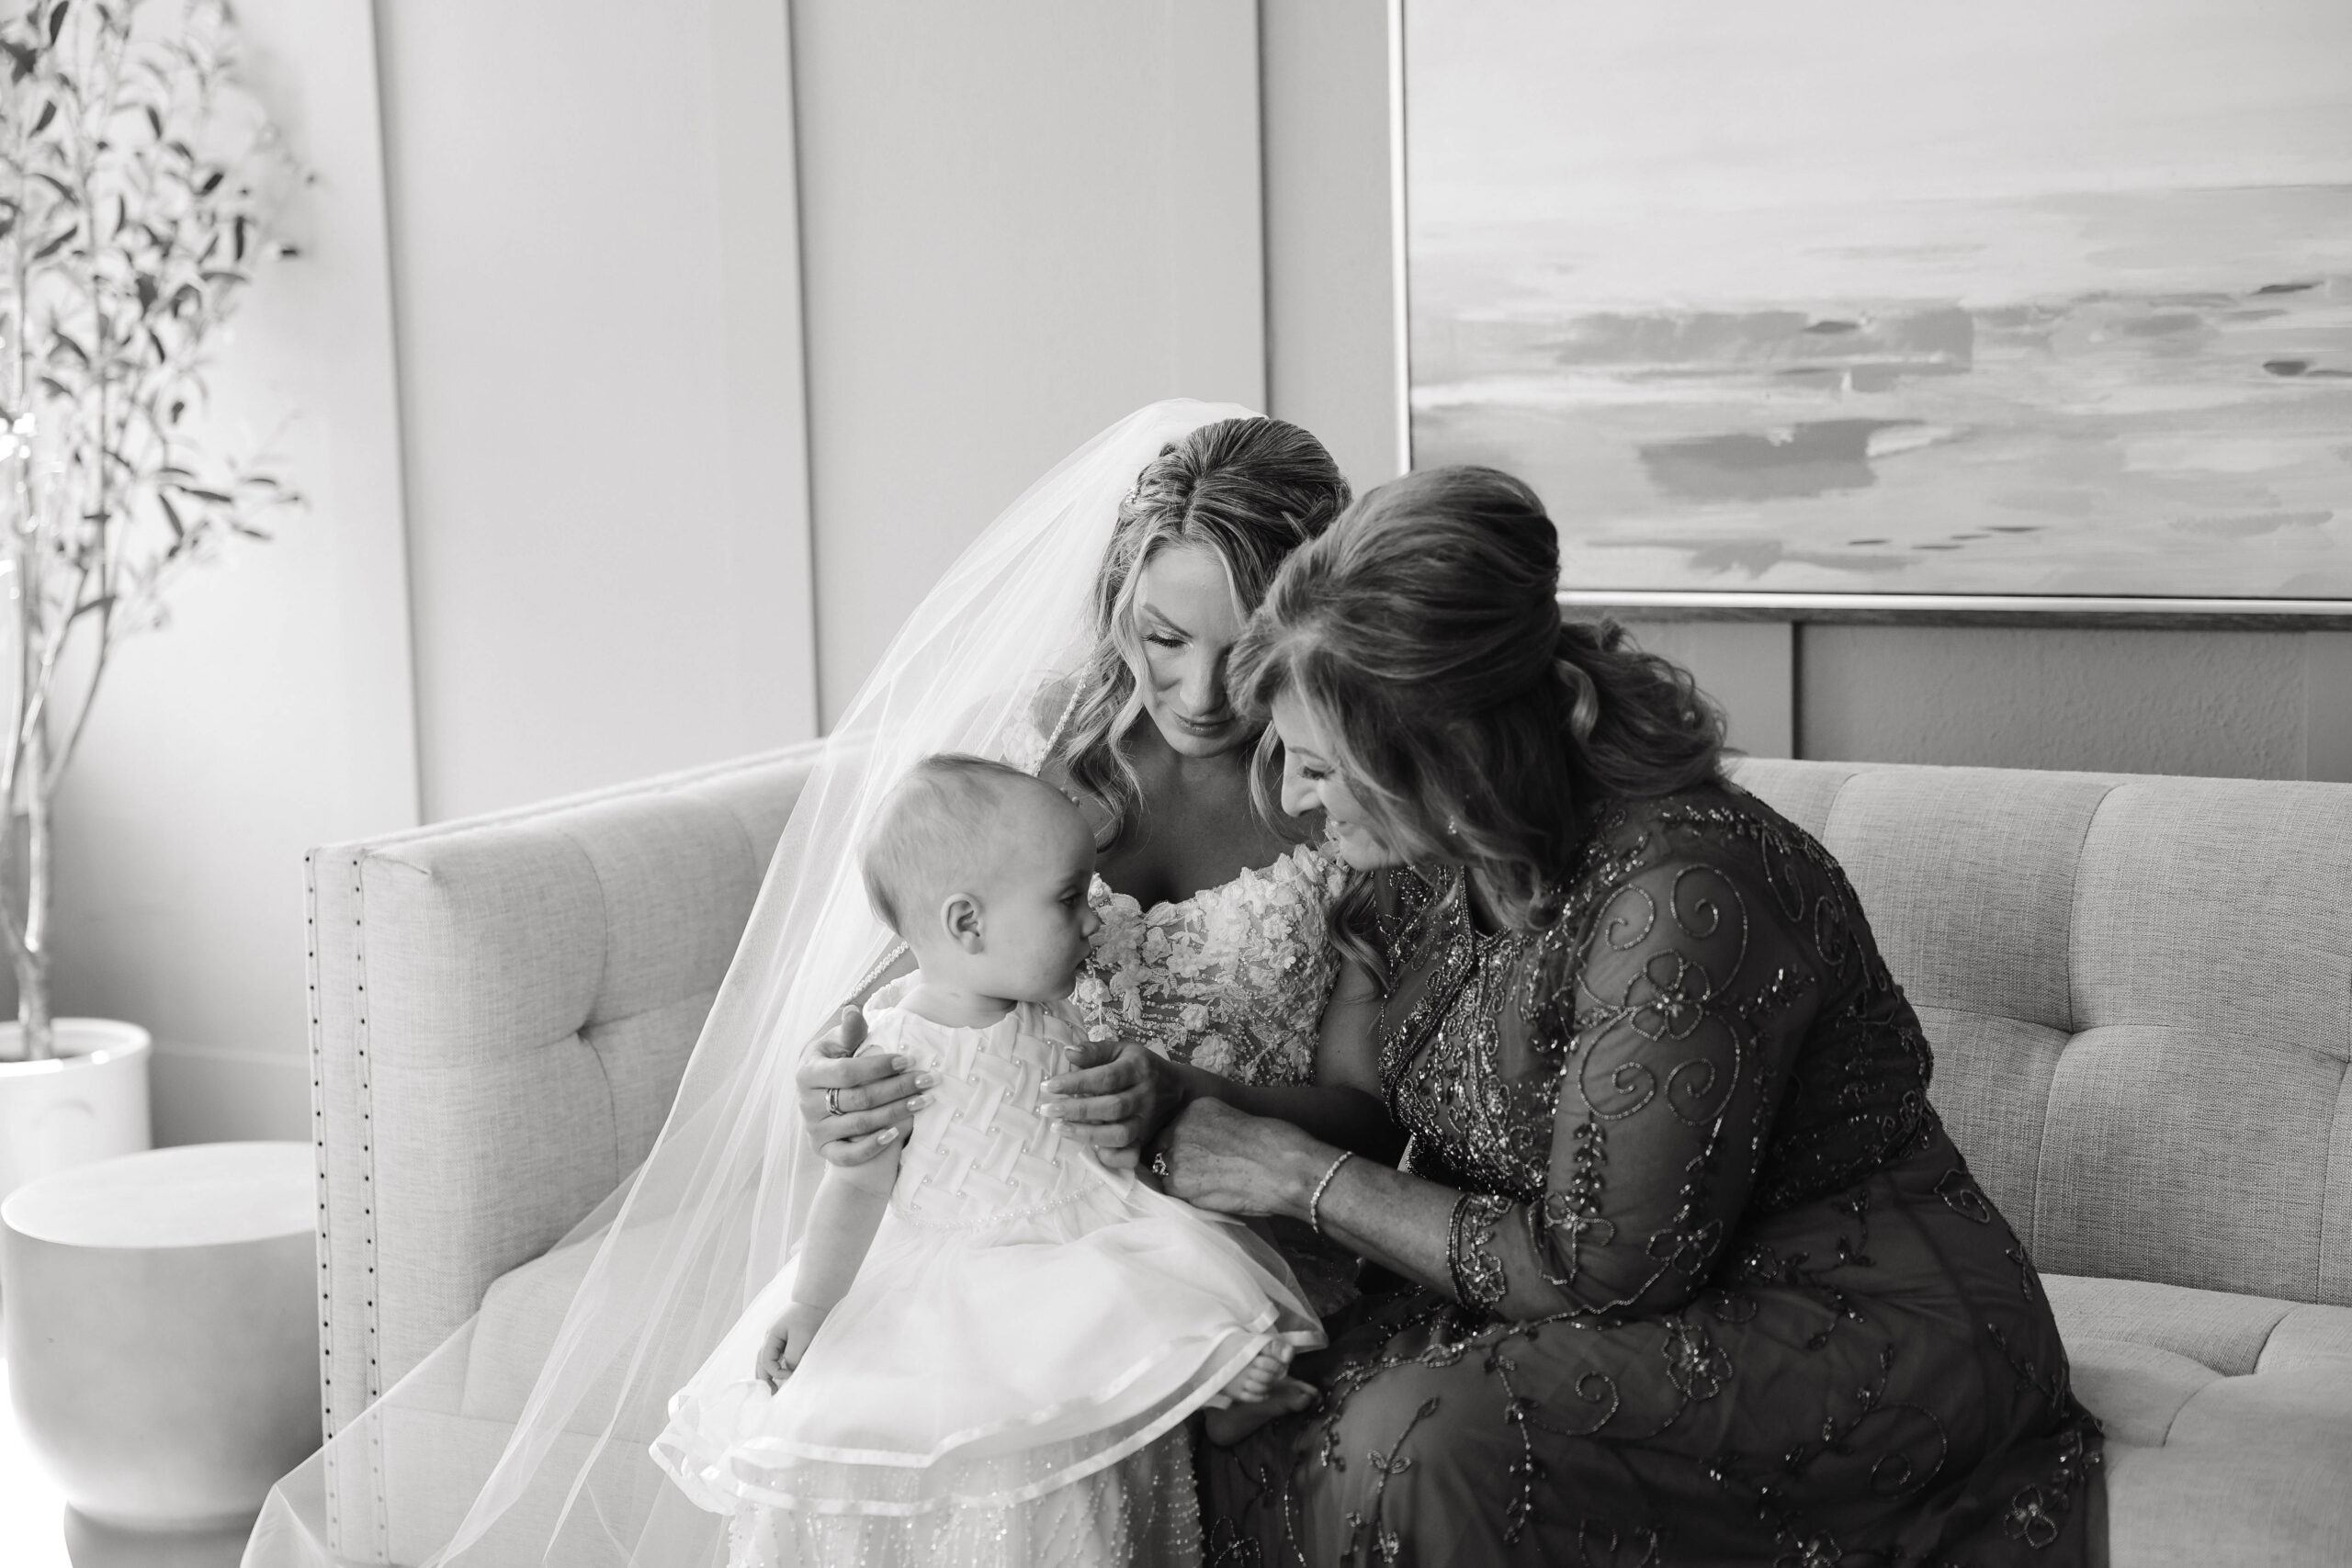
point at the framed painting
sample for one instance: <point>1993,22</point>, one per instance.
<point>1812,308</point>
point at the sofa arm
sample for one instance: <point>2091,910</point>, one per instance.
<point>501,1009</point>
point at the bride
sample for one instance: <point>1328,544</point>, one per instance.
<point>1083,635</point>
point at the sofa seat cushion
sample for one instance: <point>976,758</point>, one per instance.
<point>2229,1420</point>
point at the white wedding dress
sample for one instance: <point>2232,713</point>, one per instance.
<point>1233,977</point>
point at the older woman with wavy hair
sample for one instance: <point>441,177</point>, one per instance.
<point>1681,1266</point>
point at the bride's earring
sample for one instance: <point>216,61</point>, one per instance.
<point>1453,828</point>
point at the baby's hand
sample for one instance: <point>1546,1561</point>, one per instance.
<point>787,1341</point>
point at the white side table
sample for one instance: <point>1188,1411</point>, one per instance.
<point>163,1341</point>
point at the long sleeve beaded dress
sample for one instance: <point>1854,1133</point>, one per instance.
<point>1724,1291</point>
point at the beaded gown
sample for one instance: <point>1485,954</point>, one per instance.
<point>1724,1291</point>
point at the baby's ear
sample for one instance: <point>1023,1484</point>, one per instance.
<point>960,916</point>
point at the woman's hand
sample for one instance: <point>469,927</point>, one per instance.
<point>872,1100</point>
<point>1119,1102</point>
<point>1234,1163</point>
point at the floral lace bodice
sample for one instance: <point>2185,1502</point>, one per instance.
<point>1231,980</point>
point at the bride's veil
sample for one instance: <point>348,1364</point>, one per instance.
<point>681,1247</point>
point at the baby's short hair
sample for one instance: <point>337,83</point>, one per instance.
<point>931,830</point>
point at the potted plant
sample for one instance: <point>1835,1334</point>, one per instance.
<point>138,184</point>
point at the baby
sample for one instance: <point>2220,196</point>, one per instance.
<point>986,1336</point>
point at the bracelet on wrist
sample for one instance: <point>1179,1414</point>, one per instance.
<point>1314,1199</point>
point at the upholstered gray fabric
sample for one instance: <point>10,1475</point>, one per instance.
<point>2229,1420</point>
<point>503,1009</point>
<point>2140,994</point>
<point>2139,990</point>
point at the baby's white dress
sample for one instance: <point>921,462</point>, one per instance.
<point>1026,1329</point>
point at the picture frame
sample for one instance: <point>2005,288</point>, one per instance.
<point>2012,314</point>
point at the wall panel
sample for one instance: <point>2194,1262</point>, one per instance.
<point>592,262</point>
<point>1019,222</point>
<point>275,712</point>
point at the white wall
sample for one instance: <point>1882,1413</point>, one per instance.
<point>1330,281</point>
<point>1019,222</point>
<point>275,713</point>
<point>598,321</point>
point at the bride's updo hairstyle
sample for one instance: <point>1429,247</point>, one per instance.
<point>1473,723</point>
<point>1250,491</point>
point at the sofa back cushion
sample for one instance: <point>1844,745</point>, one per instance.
<point>2139,990</point>
<point>503,1009</point>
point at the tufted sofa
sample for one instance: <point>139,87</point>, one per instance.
<point>501,1011</point>
<point>2140,992</point>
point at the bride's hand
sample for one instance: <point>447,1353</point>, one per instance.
<point>871,1102</point>
<point>1234,1163</point>
<point>1116,1099</point>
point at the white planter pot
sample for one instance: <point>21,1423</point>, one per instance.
<point>89,1101</point>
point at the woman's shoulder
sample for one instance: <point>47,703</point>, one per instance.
<point>1050,702</point>
<point>1716,826</point>
<point>1714,821</point>
<point>1035,720</point>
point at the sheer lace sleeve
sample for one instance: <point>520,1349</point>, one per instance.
<point>1672,1013</point>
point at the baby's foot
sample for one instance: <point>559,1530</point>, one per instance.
<point>1254,1382</point>
<point>1283,1396</point>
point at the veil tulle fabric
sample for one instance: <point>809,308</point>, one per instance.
<point>682,1247</point>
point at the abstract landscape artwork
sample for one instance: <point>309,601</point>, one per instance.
<point>1822,297</point>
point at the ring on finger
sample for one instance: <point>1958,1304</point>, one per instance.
<point>1159,1165</point>
<point>832,1102</point>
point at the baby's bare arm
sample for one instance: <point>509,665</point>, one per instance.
<point>842,1223</point>
<point>847,1212</point>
